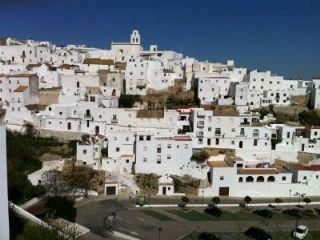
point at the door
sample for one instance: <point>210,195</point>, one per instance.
<point>240,144</point>
<point>111,190</point>
<point>223,191</point>
<point>164,190</point>
<point>69,126</point>
<point>302,147</point>
<point>97,129</point>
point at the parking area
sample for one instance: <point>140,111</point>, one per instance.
<point>176,223</point>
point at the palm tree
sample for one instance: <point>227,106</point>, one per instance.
<point>247,200</point>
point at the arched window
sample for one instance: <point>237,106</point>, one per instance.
<point>255,133</point>
<point>240,179</point>
<point>260,179</point>
<point>249,179</point>
<point>271,179</point>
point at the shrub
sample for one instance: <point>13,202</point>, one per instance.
<point>309,118</point>
<point>307,200</point>
<point>278,200</point>
<point>148,183</point>
<point>200,156</point>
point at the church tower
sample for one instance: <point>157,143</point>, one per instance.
<point>135,37</point>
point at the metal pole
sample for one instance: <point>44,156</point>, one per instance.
<point>159,232</point>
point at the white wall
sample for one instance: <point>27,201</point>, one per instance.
<point>4,217</point>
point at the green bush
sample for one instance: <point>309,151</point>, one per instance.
<point>36,232</point>
<point>200,156</point>
<point>309,118</point>
<point>127,101</point>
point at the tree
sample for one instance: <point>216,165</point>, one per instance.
<point>200,156</point>
<point>307,200</point>
<point>127,101</point>
<point>80,179</point>
<point>29,130</point>
<point>215,200</point>
<point>61,207</point>
<point>247,200</point>
<point>185,199</point>
<point>54,183</point>
<point>278,200</point>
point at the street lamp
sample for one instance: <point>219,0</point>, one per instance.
<point>299,195</point>
<point>159,231</point>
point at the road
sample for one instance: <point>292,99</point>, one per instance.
<point>134,222</point>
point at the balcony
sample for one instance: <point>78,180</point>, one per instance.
<point>114,120</point>
<point>201,114</point>
<point>199,134</point>
<point>141,84</point>
<point>200,124</point>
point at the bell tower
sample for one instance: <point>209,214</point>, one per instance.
<point>135,37</point>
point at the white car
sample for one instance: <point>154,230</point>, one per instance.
<point>300,232</point>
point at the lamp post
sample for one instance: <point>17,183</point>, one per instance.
<point>202,196</point>
<point>136,197</point>
<point>159,231</point>
<point>299,195</point>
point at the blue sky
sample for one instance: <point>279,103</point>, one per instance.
<point>280,35</point>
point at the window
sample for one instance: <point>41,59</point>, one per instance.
<point>127,161</point>
<point>221,178</point>
<point>255,142</point>
<point>288,134</point>
<point>271,179</point>
<point>144,159</point>
<point>84,151</point>
<point>255,133</point>
<point>186,146</point>
<point>260,179</point>
<point>217,131</point>
<point>159,149</point>
<point>249,179</point>
<point>148,138</point>
<point>169,157</point>
<point>240,179</point>
<point>304,177</point>
<point>284,178</point>
<point>117,149</point>
<point>217,141</point>
<point>169,146</point>
<point>140,138</point>
<point>209,141</point>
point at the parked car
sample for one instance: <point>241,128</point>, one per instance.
<point>293,212</point>
<point>266,213</point>
<point>207,236</point>
<point>258,234</point>
<point>300,232</point>
<point>317,210</point>
<point>214,211</point>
